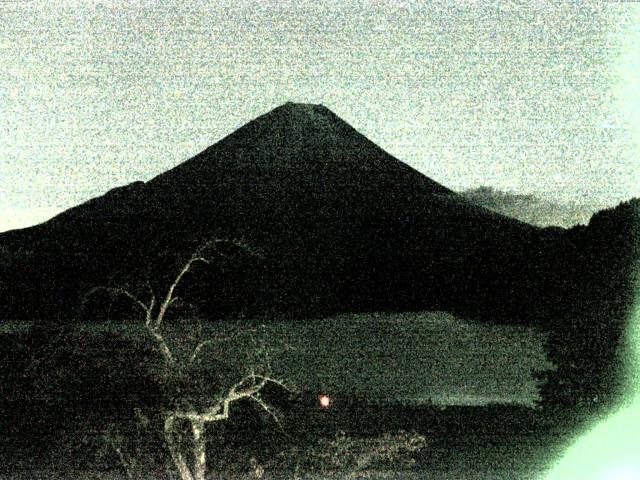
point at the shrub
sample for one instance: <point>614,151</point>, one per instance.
<point>351,457</point>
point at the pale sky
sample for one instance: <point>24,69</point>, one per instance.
<point>532,97</point>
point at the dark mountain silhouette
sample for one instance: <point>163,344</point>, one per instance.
<point>340,225</point>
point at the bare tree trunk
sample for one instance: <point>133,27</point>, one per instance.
<point>176,456</point>
<point>199,449</point>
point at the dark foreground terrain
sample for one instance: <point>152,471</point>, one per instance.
<point>69,413</point>
<point>497,442</point>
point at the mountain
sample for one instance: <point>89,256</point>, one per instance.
<point>335,224</point>
<point>342,226</point>
<point>531,208</point>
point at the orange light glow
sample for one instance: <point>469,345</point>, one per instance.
<point>325,401</point>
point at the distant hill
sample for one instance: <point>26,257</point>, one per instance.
<point>531,208</point>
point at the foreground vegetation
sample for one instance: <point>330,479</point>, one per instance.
<point>169,394</point>
<point>83,402</point>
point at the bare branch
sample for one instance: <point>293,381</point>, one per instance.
<point>217,339</point>
<point>169,297</point>
<point>152,293</point>
<point>267,408</point>
<point>178,459</point>
<point>248,387</point>
<point>235,394</point>
<point>201,345</point>
<point>197,350</point>
<point>115,291</point>
<point>148,317</point>
<point>275,381</point>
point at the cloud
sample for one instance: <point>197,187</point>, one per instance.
<point>531,208</point>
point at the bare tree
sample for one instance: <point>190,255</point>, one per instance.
<point>215,409</point>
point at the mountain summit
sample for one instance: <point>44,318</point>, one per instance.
<point>342,225</point>
<point>299,143</point>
